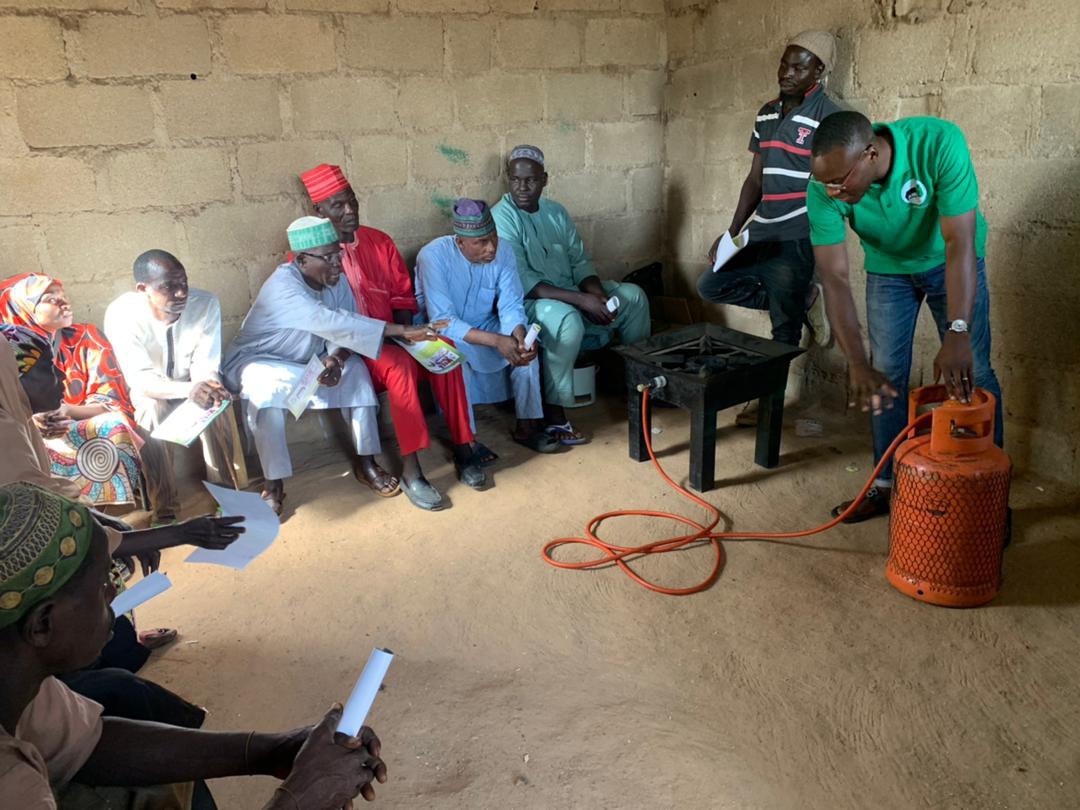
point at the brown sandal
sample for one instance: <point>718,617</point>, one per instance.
<point>382,474</point>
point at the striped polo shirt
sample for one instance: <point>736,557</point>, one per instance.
<point>783,141</point>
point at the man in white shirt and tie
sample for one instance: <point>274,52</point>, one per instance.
<point>167,339</point>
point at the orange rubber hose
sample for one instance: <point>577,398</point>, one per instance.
<point>623,555</point>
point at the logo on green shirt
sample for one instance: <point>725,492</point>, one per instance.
<point>913,192</point>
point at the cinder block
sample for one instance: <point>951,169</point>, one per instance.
<point>1046,265</point>
<point>221,109</point>
<point>456,155</point>
<point>1016,192</point>
<point>33,48</point>
<point>167,177</point>
<point>39,183</point>
<point>904,56</point>
<point>634,239</point>
<point>644,6</point>
<point>640,143</point>
<point>18,245</point>
<point>442,6</point>
<point>274,168</point>
<point>577,5</point>
<point>729,28</point>
<point>589,193</point>
<point>1060,120</point>
<point>95,247</point>
<point>229,281</point>
<point>379,160</point>
<point>727,136</point>
<point>513,6</point>
<point>425,103</point>
<point>278,44</point>
<point>1050,452</point>
<point>406,212</point>
<point>696,88</point>
<point>539,43</point>
<point>680,35</point>
<point>343,105</point>
<point>563,145</point>
<point>996,119</point>
<point>1041,41</point>
<point>645,92</point>
<point>624,42</point>
<point>353,6</point>
<point>144,46</point>
<point>498,100</point>
<point>73,115</point>
<point>222,232</point>
<point>469,46</point>
<point>584,97</point>
<point>195,5</point>
<point>919,105</point>
<point>73,5</point>
<point>753,82</point>
<point>685,140</point>
<point>11,140</point>
<point>398,44</point>
<point>647,189</point>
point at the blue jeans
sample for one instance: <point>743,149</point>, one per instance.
<point>892,308</point>
<point>773,276</point>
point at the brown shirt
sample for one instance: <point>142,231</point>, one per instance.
<point>53,739</point>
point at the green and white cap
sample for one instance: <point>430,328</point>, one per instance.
<point>310,232</point>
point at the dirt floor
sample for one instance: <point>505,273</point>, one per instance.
<point>800,680</point>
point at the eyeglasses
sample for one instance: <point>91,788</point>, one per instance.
<point>334,257</point>
<point>843,182</point>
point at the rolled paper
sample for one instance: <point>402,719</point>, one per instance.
<point>363,694</point>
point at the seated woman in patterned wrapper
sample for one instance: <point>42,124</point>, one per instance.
<point>91,436</point>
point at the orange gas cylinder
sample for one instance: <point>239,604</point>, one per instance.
<point>949,504</point>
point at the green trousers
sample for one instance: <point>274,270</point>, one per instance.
<point>566,332</point>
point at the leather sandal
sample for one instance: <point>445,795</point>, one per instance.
<point>874,504</point>
<point>471,475</point>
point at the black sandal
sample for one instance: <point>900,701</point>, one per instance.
<point>538,441</point>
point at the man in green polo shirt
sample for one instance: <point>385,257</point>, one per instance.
<point>908,189</point>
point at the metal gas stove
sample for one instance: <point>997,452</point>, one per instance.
<point>708,368</point>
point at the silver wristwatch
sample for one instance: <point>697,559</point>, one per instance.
<point>959,325</point>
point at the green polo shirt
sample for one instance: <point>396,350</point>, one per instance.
<point>897,220</point>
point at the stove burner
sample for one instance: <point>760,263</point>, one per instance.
<point>703,355</point>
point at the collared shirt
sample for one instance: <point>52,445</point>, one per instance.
<point>290,322</point>
<point>487,297</point>
<point>899,220</point>
<point>784,142</point>
<point>546,244</point>
<point>377,275</point>
<point>55,736</point>
<point>160,360</point>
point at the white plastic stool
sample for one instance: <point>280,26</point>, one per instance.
<point>584,386</point>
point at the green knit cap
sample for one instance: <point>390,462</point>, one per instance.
<point>311,232</point>
<point>44,539</point>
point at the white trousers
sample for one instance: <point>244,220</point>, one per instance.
<point>273,449</point>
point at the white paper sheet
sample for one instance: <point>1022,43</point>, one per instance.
<point>301,394</point>
<point>729,246</point>
<point>261,528</point>
<point>363,694</point>
<point>142,591</point>
<point>187,422</point>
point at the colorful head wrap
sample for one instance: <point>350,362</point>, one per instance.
<point>821,44</point>
<point>472,218</point>
<point>309,232</point>
<point>527,152</point>
<point>30,348</point>
<point>44,539</point>
<point>324,181</point>
<point>19,297</point>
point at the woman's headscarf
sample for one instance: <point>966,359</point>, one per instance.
<point>20,296</point>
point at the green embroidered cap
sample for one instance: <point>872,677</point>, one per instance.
<point>311,232</point>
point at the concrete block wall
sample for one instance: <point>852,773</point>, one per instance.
<point>1005,72</point>
<point>182,124</point>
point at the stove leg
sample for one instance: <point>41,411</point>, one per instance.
<point>638,452</point>
<point>769,426</point>
<point>702,449</point>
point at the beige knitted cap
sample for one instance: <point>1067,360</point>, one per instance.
<point>821,44</point>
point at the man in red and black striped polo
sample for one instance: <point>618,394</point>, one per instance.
<point>775,270</point>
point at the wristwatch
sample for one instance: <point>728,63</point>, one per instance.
<point>959,325</point>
